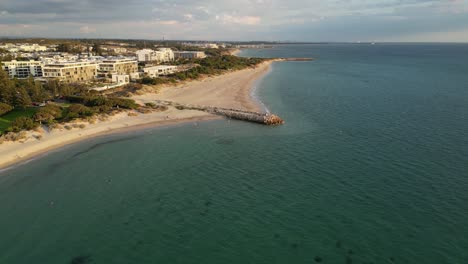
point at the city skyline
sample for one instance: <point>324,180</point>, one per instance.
<point>265,20</point>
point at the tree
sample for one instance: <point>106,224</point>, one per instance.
<point>22,98</point>
<point>64,47</point>
<point>48,113</point>
<point>53,87</point>
<point>97,49</point>
<point>22,123</point>
<point>7,90</point>
<point>5,108</point>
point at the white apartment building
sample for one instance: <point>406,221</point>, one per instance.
<point>160,55</point>
<point>144,54</point>
<point>71,71</point>
<point>160,70</point>
<point>32,47</point>
<point>189,54</point>
<point>118,66</point>
<point>23,69</point>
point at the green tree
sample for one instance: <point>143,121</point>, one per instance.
<point>48,113</point>
<point>97,49</point>
<point>64,47</point>
<point>7,91</point>
<point>53,87</point>
<point>22,123</point>
<point>22,98</point>
<point>5,108</point>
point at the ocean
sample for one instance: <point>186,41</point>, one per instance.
<point>370,167</point>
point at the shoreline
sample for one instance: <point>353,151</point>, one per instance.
<point>155,124</point>
<point>231,90</point>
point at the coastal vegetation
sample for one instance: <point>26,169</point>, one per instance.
<point>212,65</point>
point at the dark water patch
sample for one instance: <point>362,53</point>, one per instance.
<point>83,259</point>
<point>318,259</point>
<point>102,144</point>
<point>338,244</point>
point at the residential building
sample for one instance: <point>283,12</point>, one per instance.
<point>156,71</point>
<point>71,71</point>
<point>23,69</point>
<point>189,54</point>
<point>144,54</point>
<point>164,55</point>
<point>160,55</point>
<point>135,76</point>
<point>32,47</point>
<point>119,66</point>
<point>120,78</point>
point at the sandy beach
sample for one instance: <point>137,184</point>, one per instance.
<point>231,90</point>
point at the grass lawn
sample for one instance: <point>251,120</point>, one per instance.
<point>6,119</point>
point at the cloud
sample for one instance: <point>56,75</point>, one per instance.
<point>242,20</point>
<point>87,30</point>
<point>306,20</point>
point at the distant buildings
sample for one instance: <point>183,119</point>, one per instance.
<point>156,71</point>
<point>71,71</point>
<point>23,69</point>
<point>118,66</point>
<point>160,55</point>
<point>205,45</point>
<point>23,47</point>
<point>189,54</point>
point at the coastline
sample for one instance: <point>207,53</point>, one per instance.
<point>230,90</point>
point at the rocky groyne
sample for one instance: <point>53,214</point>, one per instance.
<point>249,116</point>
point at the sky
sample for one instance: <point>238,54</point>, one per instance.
<point>239,20</point>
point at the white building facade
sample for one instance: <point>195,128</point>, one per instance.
<point>160,55</point>
<point>23,69</point>
<point>160,70</point>
<point>189,54</point>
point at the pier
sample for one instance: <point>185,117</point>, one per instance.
<point>249,116</point>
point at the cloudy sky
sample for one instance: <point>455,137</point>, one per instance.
<point>293,20</point>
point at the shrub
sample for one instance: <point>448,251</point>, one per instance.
<point>48,113</point>
<point>22,123</point>
<point>53,126</point>
<point>67,127</point>
<point>5,108</point>
<point>100,101</point>
<point>123,103</point>
<point>12,136</point>
<point>79,110</point>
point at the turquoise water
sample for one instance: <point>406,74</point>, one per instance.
<point>370,167</point>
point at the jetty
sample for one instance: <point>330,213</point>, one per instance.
<point>296,59</point>
<point>249,116</point>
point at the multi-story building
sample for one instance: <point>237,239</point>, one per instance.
<point>23,69</point>
<point>189,54</point>
<point>122,66</point>
<point>160,55</point>
<point>71,71</point>
<point>144,54</point>
<point>156,71</point>
<point>32,47</point>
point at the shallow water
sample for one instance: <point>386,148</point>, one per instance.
<point>370,167</point>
